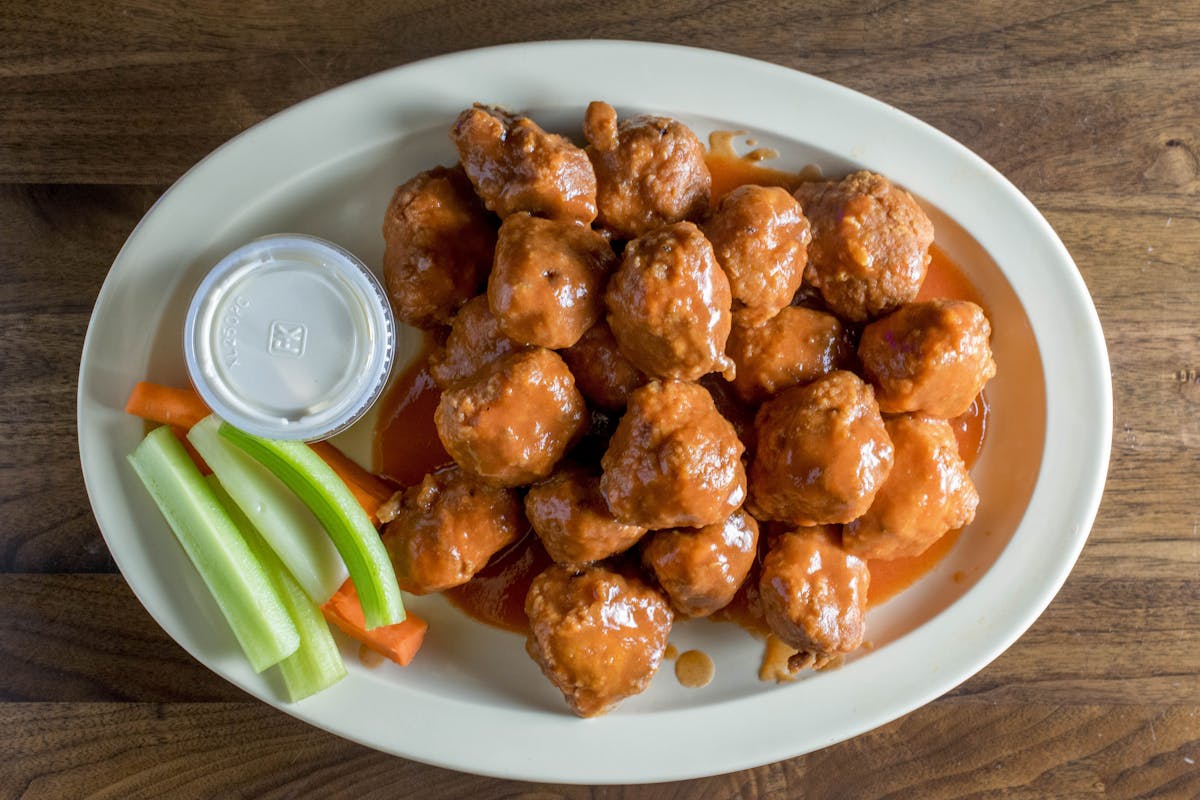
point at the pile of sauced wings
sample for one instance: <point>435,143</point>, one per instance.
<point>743,365</point>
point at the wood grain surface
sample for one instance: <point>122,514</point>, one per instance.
<point>1091,108</point>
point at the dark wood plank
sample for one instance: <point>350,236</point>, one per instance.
<point>58,245</point>
<point>1103,640</point>
<point>86,638</point>
<point>941,751</point>
<point>147,90</point>
<point>1138,259</point>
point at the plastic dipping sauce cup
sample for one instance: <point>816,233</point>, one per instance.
<point>290,337</point>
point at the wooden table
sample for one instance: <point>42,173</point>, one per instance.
<point>1092,110</point>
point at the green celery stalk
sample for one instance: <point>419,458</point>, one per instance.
<point>283,519</point>
<point>244,593</point>
<point>317,663</point>
<point>347,524</point>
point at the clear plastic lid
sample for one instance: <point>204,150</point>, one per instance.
<point>290,337</point>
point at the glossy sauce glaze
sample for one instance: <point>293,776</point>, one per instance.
<point>406,445</point>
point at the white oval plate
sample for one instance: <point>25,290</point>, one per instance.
<point>473,700</point>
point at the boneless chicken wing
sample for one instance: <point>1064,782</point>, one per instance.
<point>870,246</point>
<point>475,340</point>
<point>447,527</point>
<point>570,516</point>
<point>928,493</point>
<point>796,346</point>
<point>512,421</point>
<point>674,461</point>
<point>814,595</point>
<point>760,237</point>
<point>514,166</point>
<point>668,304</point>
<point>932,357</point>
<point>650,171</point>
<point>822,452</point>
<point>547,280</point>
<point>597,635</point>
<point>701,569</point>
<point>602,372</point>
<point>438,247</point>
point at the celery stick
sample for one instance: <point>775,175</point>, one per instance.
<point>347,524</point>
<point>317,663</point>
<point>283,519</point>
<point>238,583</point>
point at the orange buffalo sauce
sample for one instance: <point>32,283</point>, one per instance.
<point>945,279</point>
<point>730,170</point>
<point>889,578</point>
<point>970,429</point>
<point>406,445</point>
<point>496,595</point>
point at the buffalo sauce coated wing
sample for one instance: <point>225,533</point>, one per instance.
<point>438,247</point>
<point>870,246</point>
<point>794,347</point>
<point>513,420</point>
<point>597,635</point>
<point>650,171</point>
<point>668,304</point>
<point>447,527</point>
<point>547,281</point>
<point>760,236</point>
<point>822,452</point>
<point>814,595</point>
<point>514,166</point>
<point>701,569</point>
<point>475,340</point>
<point>569,515</point>
<point>602,372</point>
<point>674,461</point>
<point>932,357</point>
<point>928,493</point>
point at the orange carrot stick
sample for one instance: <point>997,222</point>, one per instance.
<point>367,501</point>
<point>398,642</point>
<point>352,473</point>
<point>166,405</point>
<point>181,435</point>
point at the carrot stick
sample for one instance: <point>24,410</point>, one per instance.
<point>352,473</point>
<point>398,642</point>
<point>181,434</point>
<point>166,405</point>
<point>183,408</point>
<point>367,501</point>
